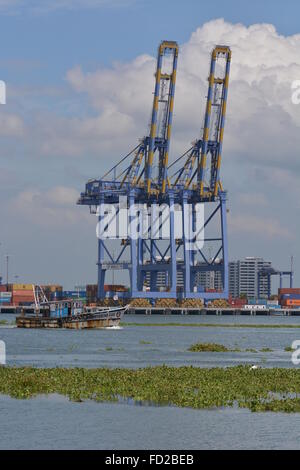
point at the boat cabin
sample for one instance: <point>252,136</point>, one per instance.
<point>65,308</point>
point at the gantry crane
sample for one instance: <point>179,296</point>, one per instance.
<point>166,266</point>
<point>199,180</point>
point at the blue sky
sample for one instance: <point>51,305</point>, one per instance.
<point>55,57</point>
<point>40,46</point>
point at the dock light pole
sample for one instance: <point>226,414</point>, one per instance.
<point>1,277</point>
<point>7,270</point>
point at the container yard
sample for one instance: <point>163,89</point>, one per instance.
<point>18,298</point>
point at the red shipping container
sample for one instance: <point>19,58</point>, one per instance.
<point>21,299</point>
<point>290,303</point>
<point>25,299</point>
<point>212,290</point>
<point>238,302</point>
<point>114,288</point>
<point>17,298</point>
<point>23,291</point>
<point>294,290</point>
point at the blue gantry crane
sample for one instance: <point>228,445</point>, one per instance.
<point>160,223</point>
<point>268,272</point>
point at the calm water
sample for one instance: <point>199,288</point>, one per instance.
<point>52,422</point>
<point>140,346</point>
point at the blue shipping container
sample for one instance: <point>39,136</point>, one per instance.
<point>56,295</point>
<point>74,293</point>
<point>257,302</point>
<point>291,296</point>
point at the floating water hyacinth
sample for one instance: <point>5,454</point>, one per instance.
<point>210,347</point>
<point>258,390</point>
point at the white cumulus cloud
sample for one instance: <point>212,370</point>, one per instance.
<point>55,207</point>
<point>262,123</point>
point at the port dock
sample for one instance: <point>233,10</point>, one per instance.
<point>212,311</point>
<point>209,311</point>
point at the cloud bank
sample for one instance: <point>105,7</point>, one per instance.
<point>260,166</point>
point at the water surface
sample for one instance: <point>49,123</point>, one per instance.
<point>140,346</point>
<point>56,423</point>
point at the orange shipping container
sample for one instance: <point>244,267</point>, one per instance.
<point>23,292</point>
<point>294,290</point>
<point>20,296</point>
<point>26,298</point>
<point>21,286</point>
<point>290,302</point>
<point>52,287</point>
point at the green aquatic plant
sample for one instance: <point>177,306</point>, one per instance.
<point>213,347</point>
<point>289,349</point>
<point>6,322</point>
<point>256,389</point>
<point>209,347</point>
<point>109,349</point>
<point>145,342</point>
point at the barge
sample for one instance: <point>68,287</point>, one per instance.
<point>72,314</point>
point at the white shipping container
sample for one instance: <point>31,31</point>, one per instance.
<point>5,295</point>
<point>255,307</point>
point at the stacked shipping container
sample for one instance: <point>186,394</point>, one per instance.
<point>5,298</point>
<point>289,297</point>
<point>52,291</point>
<point>237,302</point>
<point>91,293</point>
<point>74,294</point>
<point>21,294</point>
<point>115,288</point>
<point>92,290</point>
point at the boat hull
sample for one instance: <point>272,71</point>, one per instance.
<point>88,321</point>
